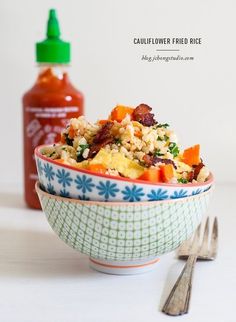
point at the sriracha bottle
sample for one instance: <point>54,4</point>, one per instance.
<point>49,104</point>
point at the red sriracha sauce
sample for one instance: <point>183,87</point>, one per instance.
<point>49,104</point>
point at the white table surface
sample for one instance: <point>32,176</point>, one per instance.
<point>42,279</point>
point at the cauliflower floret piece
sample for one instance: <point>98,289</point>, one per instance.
<point>173,137</point>
<point>85,153</point>
<point>203,174</point>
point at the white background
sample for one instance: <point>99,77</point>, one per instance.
<point>197,98</point>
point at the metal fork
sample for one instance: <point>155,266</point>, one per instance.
<point>178,300</point>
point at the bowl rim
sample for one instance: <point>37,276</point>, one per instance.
<point>39,190</point>
<point>84,171</point>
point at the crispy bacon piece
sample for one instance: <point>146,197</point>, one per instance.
<point>148,160</point>
<point>142,115</point>
<point>197,169</point>
<point>102,138</point>
<point>194,174</point>
<point>103,133</point>
<point>142,109</point>
<point>96,147</point>
<point>152,160</point>
<point>190,176</point>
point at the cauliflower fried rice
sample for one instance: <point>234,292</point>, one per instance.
<point>131,144</point>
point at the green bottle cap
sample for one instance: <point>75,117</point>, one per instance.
<point>53,49</point>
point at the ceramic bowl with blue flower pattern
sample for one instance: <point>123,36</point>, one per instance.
<point>70,182</point>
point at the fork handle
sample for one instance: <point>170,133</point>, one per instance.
<point>178,300</point>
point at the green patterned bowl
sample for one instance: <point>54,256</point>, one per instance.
<point>123,237</point>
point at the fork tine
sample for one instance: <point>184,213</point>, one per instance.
<point>187,246</point>
<point>199,230</point>
<point>214,239</point>
<point>184,247</point>
<point>204,246</point>
<point>196,238</point>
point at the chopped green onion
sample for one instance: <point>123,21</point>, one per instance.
<point>173,148</point>
<point>158,153</point>
<point>83,147</point>
<point>51,154</point>
<point>165,138</point>
<point>118,141</point>
<point>165,125</point>
<point>68,140</point>
<point>182,180</point>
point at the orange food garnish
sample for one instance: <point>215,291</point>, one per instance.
<point>71,133</point>
<point>120,112</point>
<point>138,134</point>
<point>191,156</point>
<point>167,172</point>
<point>59,160</point>
<point>151,175</point>
<point>99,168</point>
<point>102,122</point>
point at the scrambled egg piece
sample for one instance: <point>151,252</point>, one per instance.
<point>119,162</point>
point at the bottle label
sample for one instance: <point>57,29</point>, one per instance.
<point>43,125</point>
